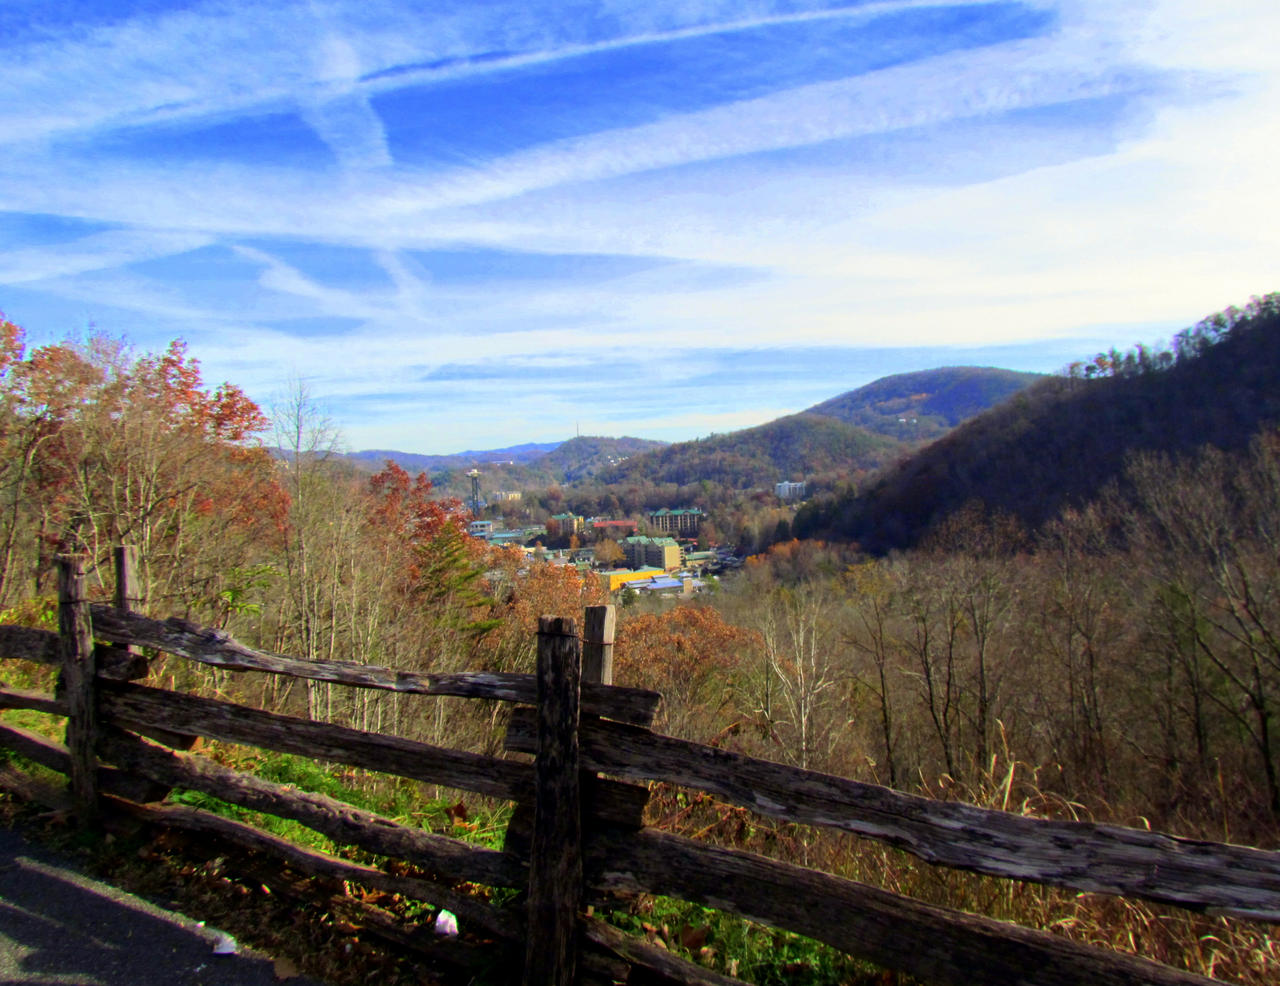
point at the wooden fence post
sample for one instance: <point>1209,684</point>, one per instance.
<point>597,645</point>
<point>120,661</point>
<point>126,559</point>
<point>555,859</point>
<point>79,670</point>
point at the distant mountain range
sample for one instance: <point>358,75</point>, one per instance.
<point>519,467</point>
<point>898,455</point>
<point>414,462</point>
<point>846,436</point>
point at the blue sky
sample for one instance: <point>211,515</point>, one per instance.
<point>473,224</point>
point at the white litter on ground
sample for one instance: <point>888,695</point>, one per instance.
<point>446,923</point>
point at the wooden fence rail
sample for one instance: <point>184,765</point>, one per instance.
<point>577,838</point>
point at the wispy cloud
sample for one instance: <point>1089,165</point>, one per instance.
<point>664,25</point>
<point>997,172</point>
<point>1005,78</point>
<point>219,58</point>
<point>99,251</point>
<point>340,113</point>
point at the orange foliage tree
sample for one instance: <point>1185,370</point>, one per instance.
<point>689,654</point>
<point>440,565</point>
<point>526,591</point>
<point>104,448</point>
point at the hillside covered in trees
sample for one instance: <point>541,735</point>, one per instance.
<point>794,447</point>
<point>1061,441</point>
<point>921,406</point>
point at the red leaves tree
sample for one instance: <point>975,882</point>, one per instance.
<point>404,508</point>
<point>688,654</point>
<point>441,564</point>
<point>527,590</point>
<point>104,448</point>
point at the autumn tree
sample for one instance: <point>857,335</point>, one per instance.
<point>687,653</point>
<point>321,557</point>
<point>870,635</point>
<point>800,693</point>
<point>525,591</point>
<point>21,435</point>
<point>109,448</point>
<point>608,552</point>
<point>1082,637</point>
<point>973,553</point>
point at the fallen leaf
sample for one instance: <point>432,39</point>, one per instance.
<point>285,968</point>
<point>693,938</point>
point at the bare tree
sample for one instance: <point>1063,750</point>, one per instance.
<point>804,669</point>
<point>1211,532</point>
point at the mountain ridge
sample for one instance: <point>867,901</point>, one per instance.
<point>845,437</point>
<point>924,404</point>
<point>1062,441</point>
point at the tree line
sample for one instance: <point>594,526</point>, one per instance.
<point>1126,655</point>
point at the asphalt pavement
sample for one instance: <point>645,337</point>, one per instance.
<point>59,926</point>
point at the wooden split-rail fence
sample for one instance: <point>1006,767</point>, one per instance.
<point>577,838</point>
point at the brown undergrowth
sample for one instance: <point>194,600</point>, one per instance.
<point>1229,949</point>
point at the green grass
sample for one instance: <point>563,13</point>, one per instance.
<point>397,799</point>
<point>735,946</point>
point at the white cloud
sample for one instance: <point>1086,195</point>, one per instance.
<point>1174,214</point>
<point>98,251</point>
<point>223,57</point>
<point>341,114</point>
<point>1001,78</point>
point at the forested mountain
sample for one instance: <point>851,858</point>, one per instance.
<point>1062,440</point>
<point>921,406</point>
<point>586,456</point>
<point>798,446</point>
<point>908,408</point>
<point>841,438</point>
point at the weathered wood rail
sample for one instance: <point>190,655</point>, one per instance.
<point>577,838</point>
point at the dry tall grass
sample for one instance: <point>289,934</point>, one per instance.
<point>1230,949</point>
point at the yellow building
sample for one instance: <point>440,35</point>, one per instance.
<point>562,524</point>
<point>616,579</point>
